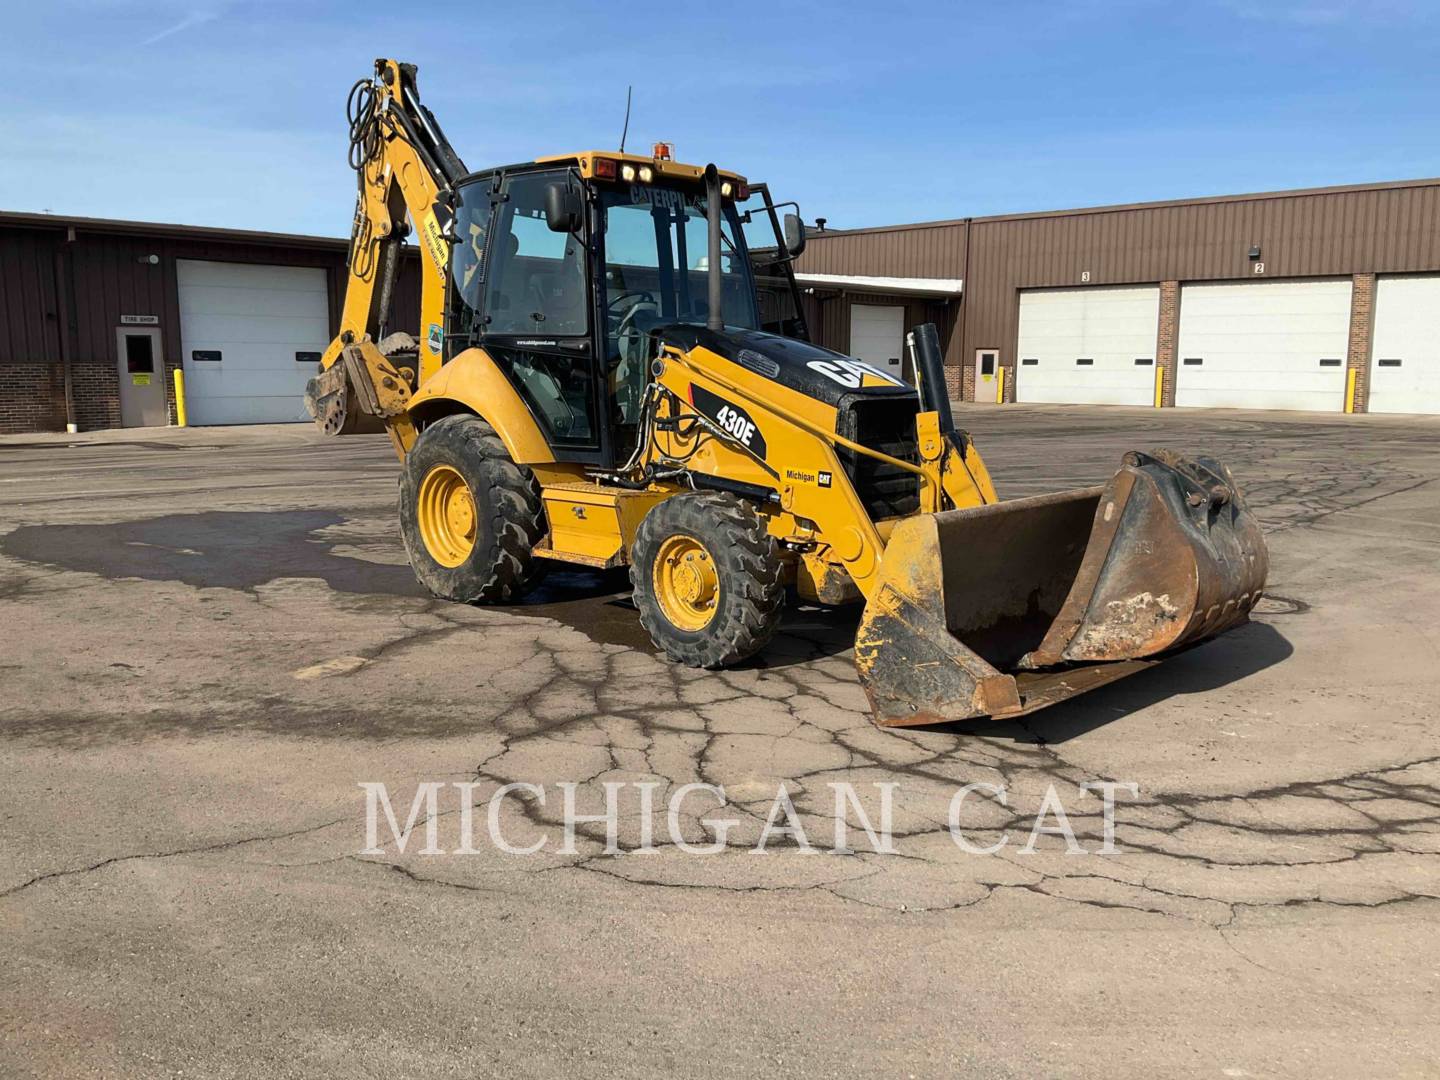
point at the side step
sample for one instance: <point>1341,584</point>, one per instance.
<point>593,524</point>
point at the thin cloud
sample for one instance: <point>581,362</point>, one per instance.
<point>195,18</point>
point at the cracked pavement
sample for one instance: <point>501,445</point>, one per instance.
<point>214,639</point>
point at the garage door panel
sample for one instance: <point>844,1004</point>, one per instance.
<point>254,354</point>
<point>250,408</point>
<point>256,317</point>
<point>236,275</point>
<point>1262,343</point>
<point>1407,330</point>
<point>257,328</point>
<point>232,373</point>
<point>877,336</point>
<point>1110,327</point>
<point>211,300</point>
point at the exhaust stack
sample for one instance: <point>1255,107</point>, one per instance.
<point>715,320</point>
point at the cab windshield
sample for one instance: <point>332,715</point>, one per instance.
<point>656,271</point>
<point>657,256</point>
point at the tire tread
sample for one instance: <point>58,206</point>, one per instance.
<point>752,587</point>
<point>515,515</point>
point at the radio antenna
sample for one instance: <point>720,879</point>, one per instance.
<point>626,130</point>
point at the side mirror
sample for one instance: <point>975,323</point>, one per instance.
<point>562,208</point>
<point>794,235</point>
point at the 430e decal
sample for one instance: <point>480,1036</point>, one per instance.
<point>729,416</point>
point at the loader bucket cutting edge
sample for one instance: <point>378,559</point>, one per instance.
<point>1003,609</point>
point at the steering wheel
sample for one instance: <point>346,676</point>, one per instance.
<point>634,298</point>
<point>644,304</point>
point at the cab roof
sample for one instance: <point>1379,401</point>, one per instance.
<point>664,167</point>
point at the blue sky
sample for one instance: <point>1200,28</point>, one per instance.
<point>230,113</point>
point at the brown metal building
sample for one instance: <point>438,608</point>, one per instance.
<point>1257,260</point>
<point>91,314</point>
<point>1321,299</point>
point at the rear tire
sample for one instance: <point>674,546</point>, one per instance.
<point>469,515</point>
<point>707,579</point>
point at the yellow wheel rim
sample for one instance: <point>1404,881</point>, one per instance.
<point>445,510</point>
<point>686,584</point>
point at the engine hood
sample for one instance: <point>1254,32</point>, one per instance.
<point>816,372</point>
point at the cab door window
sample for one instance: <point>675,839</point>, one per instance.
<point>537,282</point>
<point>467,262</point>
<point>536,313</point>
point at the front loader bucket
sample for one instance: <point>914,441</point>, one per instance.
<point>1003,609</point>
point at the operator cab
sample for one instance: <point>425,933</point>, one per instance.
<point>562,269</point>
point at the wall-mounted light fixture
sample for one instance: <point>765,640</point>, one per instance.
<point>148,260</point>
<point>1254,251</point>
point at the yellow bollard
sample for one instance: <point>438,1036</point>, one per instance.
<point>180,397</point>
<point>1350,390</point>
<point>1000,386</point>
<point>1159,387</point>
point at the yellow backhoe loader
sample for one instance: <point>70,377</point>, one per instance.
<point>613,370</point>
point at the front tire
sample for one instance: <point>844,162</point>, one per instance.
<point>469,515</point>
<point>707,579</point>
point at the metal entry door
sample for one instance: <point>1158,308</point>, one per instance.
<point>141,370</point>
<point>987,376</point>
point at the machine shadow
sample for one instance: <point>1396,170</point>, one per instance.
<point>1235,655</point>
<point>810,631</point>
<point>244,550</point>
<point>599,605</point>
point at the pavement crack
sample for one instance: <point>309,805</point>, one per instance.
<point>199,849</point>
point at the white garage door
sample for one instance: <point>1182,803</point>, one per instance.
<point>877,335</point>
<point>1405,371</point>
<point>1088,346</point>
<point>1264,345</point>
<point>250,336</point>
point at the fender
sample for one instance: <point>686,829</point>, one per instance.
<point>474,382</point>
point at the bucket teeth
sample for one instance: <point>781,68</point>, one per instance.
<point>992,610</point>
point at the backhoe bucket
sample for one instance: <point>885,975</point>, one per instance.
<point>1003,609</point>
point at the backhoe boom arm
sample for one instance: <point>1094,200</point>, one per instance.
<point>406,170</point>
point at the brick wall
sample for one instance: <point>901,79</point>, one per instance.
<point>953,382</point>
<point>33,398</point>
<point>1362,332</point>
<point>1167,340</point>
<point>96,389</point>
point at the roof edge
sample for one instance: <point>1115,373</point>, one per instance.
<point>1291,193</point>
<point>878,283</point>
<point>114,226</point>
